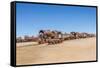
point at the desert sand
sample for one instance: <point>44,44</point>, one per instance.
<point>68,51</point>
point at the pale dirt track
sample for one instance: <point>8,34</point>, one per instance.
<point>68,51</point>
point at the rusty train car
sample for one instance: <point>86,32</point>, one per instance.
<point>50,37</point>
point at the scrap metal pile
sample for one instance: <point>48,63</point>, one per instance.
<point>54,37</point>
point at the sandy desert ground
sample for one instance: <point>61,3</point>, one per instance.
<point>68,51</point>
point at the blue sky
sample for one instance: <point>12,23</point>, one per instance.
<point>30,18</point>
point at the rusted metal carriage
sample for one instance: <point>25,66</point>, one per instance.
<point>50,37</point>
